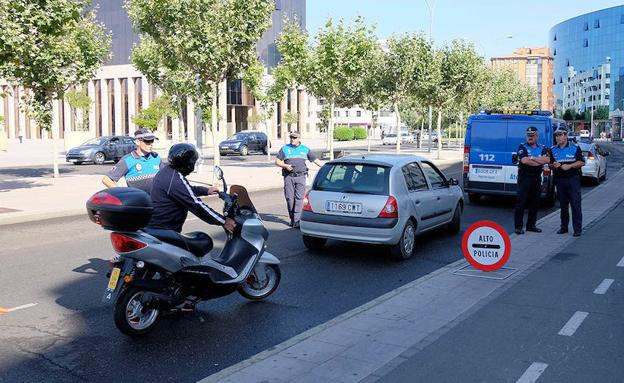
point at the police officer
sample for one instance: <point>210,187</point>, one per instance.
<point>567,161</point>
<point>138,167</point>
<point>173,196</point>
<point>531,159</point>
<point>292,159</point>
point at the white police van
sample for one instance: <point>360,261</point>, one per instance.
<point>490,159</point>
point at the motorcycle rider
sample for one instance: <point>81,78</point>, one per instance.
<point>173,196</point>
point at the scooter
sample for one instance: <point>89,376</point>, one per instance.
<point>160,271</point>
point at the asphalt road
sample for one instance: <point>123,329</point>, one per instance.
<point>69,335</point>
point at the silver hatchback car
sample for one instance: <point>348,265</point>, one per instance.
<point>379,199</point>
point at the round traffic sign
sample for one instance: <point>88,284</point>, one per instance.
<point>486,245</point>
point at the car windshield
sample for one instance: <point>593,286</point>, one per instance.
<point>353,178</point>
<point>391,135</point>
<point>238,136</point>
<point>95,141</point>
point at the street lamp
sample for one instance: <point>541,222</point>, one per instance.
<point>431,7</point>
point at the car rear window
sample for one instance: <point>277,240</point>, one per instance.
<point>353,178</point>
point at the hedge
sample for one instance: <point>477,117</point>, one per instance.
<point>359,133</point>
<point>343,133</point>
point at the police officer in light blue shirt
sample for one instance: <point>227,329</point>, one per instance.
<point>138,167</point>
<point>292,159</point>
<point>567,161</point>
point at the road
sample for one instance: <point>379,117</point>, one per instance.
<point>60,266</point>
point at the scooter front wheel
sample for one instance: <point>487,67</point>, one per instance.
<point>261,283</point>
<point>131,316</point>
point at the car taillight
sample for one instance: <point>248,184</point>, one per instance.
<point>104,198</point>
<point>124,244</point>
<point>466,158</point>
<point>390,209</point>
<point>306,203</point>
<point>590,156</point>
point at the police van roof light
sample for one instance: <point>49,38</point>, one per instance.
<point>522,112</point>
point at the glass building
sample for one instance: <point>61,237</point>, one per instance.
<point>588,51</point>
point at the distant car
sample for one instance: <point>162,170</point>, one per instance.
<point>379,199</point>
<point>101,149</point>
<point>244,142</point>
<point>407,138</point>
<point>389,139</point>
<point>595,162</point>
<point>425,138</point>
<point>584,134</point>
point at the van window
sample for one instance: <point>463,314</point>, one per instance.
<point>516,133</point>
<point>488,135</point>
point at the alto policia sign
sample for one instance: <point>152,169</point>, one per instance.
<point>486,245</point>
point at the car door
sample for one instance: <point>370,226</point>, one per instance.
<point>111,148</point>
<point>422,199</point>
<point>253,142</point>
<point>128,145</point>
<point>445,200</point>
<point>602,160</point>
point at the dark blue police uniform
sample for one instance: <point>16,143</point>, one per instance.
<point>568,183</point>
<point>529,185</point>
<point>139,171</point>
<point>294,182</point>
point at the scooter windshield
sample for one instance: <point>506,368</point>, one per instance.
<point>243,200</point>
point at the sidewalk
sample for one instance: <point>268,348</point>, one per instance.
<point>37,198</point>
<point>370,341</point>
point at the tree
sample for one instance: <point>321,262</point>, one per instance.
<point>569,115</point>
<point>79,101</point>
<point>601,112</point>
<point>151,116</point>
<point>374,97</point>
<point>331,68</point>
<point>290,118</point>
<point>190,47</point>
<point>407,66</point>
<point>49,47</point>
<point>503,90</point>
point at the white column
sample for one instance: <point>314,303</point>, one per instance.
<point>303,112</point>
<point>132,109</point>
<point>105,110</point>
<point>294,105</point>
<point>22,116</point>
<point>190,122</point>
<point>222,109</point>
<point>10,114</point>
<point>145,93</point>
<point>92,115</point>
<point>175,130</point>
<point>56,119</point>
<point>118,108</point>
<point>232,125</point>
<point>67,116</point>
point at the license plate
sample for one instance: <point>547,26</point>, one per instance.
<point>486,171</point>
<point>114,278</point>
<point>343,207</point>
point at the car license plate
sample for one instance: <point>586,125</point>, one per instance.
<point>114,278</point>
<point>492,171</point>
<point>343,207</point>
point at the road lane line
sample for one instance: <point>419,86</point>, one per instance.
<point>5,310</point>
<point>574,323</point>
<point>604,286</point>
<point>621,263</point>
<point>532,373</point>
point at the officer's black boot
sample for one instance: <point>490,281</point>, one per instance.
<point>563,230</point>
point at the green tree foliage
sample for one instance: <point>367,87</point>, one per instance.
<point>290,118</point>
<point>343,133</point>
<point>189,47</point>
<point>79,101</point>
<point>151,116</point>
<point>359,133</point>
<point>503,90</point>
<point>255,119</point>
<point>49,47</point>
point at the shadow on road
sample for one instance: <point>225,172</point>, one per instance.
<point>33,172</point>
<point>6,186</point>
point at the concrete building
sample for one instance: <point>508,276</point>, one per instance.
<point>119,92</point>
<point>535,66</point>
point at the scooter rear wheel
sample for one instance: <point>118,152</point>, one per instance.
<point>131,316</point>
<point>258,287</point>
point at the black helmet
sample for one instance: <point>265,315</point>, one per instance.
<point>182,157</point>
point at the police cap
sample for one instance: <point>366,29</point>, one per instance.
<point>561,129</point>
<point>294,135</point>
<point>531,131</point>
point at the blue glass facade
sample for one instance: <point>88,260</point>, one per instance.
<point>589,61</point>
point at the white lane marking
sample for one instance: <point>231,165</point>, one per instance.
<point>532,373</point>
<point>22,307</point>
<point>574,323</point>
<point>603,286</point>
<point>621,263</point>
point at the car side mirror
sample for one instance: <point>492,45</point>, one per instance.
<point>453,182</point>
<point>514,158</point>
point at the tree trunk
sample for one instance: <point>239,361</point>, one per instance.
<point>267,118</point>
<point>430,122</point>
<point>330,132</point>
<point>398,124</point>
<point>422,131</point>
<point>55,164</point>
<point>214,127</point>
<point>439,130</point>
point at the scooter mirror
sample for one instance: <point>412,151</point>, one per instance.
<point>218,173</point>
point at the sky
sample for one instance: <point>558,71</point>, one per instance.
<point>496,27</point>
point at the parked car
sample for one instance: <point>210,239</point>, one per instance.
<point>425,138</point>
<point>101,149</point>
<point>407,138</point>
<point>389,139</point>
<point>379,199</point>
<point>595,162</point>
<point>584,134</point>
<point>244,142</point>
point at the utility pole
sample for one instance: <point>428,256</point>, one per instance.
<point>431,7</point>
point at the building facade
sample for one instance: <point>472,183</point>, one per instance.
<point>589,66</point>
<point>119,91</point>
<point>535,67</point>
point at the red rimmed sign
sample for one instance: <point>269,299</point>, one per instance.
<point>486,245</point>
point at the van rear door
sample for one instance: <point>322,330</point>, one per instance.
<point>516,135</point>
<point>487,150</point>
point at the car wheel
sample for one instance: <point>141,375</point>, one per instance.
<point>455,224</point>
<point>314,243</point>
<point>244,150</point>
<point>604,176</point>
<point>222,154</point>
<point>78,163</point>
<point>405,248</point>
<point>99,158</point>
<point>474,198</point>
<point>265,150</point>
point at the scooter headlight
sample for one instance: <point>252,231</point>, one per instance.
<point>140,264</point>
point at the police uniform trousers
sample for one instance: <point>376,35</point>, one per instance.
<point>527,197</point>
<point>569,194</point>
<point>294,191</point>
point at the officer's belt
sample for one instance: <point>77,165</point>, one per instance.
<point>297,174</point>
